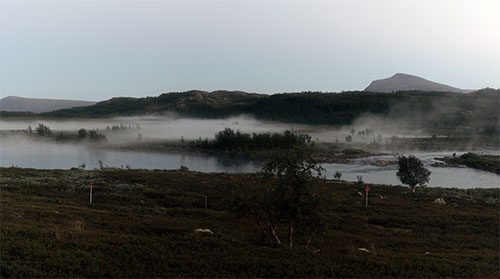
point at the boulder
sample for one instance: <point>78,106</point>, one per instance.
<point>439,201</point>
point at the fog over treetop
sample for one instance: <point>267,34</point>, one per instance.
<point>473,113</point>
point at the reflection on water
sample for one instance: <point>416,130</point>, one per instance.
<point>46,155</point>
<point>440,177</point>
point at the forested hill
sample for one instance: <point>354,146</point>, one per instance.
<point>194,103</point>
<point>478,110</point>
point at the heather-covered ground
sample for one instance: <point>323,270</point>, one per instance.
<point>141,224</point>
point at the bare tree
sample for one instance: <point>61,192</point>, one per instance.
<point>282,199</point>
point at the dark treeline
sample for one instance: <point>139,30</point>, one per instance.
<point>17,114</point>
<point>475,112</point>
<point>236,141</point>
<point>322,108</point>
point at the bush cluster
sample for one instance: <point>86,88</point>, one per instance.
<point>231,140</point>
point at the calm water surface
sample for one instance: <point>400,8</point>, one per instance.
<point>47,155</point>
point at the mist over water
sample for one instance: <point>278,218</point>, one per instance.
<point>17,149</point>
<point>156,127</point>
<point>173,127</point>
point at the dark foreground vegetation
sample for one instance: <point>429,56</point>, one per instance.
<point>489,163</point>
<point>141,224</point>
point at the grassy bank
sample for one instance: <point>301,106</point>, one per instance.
<point>141,225</point>
<point>489,163</point>
<point>323,152</point>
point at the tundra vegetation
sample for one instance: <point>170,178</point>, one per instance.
<point>284,222</point>
<point>142,224</point>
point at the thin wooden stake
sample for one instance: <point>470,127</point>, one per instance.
<point>90,196</point>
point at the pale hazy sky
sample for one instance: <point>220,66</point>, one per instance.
<point>97,49</point>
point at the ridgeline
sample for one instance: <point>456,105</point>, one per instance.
<point>474,113</point>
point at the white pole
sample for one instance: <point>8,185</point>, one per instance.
<point>90,196</point>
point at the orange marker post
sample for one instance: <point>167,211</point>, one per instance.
<point>367,190</point>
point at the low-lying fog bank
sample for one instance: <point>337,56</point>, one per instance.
<point>174,128</point>
<point>23,147</point>
<point>370,133</point>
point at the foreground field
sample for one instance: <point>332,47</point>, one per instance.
<point>141,224</point>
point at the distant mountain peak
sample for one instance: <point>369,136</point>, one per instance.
<point>402,75</point>
<point>407,82</point>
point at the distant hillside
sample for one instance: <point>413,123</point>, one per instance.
<point>13,103</point>
<point>194,102</point>
<point>488,90</point>
<point>406,82</point>
<point>475,112</point>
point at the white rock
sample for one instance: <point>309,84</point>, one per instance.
<point>439,201</point>
<point>203,231</point>
<point>364,250</point>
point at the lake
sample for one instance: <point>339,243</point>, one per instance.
<point>50,155</point>
<point>28,153</point>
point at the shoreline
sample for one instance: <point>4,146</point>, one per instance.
<point>327,180</point>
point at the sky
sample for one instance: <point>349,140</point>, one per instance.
<point>98,49</point>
